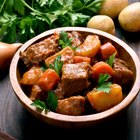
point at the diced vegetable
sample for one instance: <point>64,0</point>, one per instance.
<point>78,59</point>
<point>101,68</point>
<point>90,47</point>
<point>66,54</point>
<point>32,76</point>
<point>107,49</point>
<point>102,101</point>
<point>49,80</point>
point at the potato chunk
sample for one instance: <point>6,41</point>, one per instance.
<point>32,76</point>
<point>102,101</point>
<point>90,47</point>
<point>67,55</point>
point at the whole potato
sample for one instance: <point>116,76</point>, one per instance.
<point>102,22</point>
<point>129,17</point>
<point>112,8</point>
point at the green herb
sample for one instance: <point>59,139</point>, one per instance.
<point>103,83</point>
<point>21,20</point>
<point>65,40</point>
<point>39,104</point>
<point>57,64</point>
<point>50,103</point>
<point>110,60</point>
<point>44,66</point>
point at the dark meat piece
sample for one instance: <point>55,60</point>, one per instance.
<point>36,93</point>
<point>71,106</point>
<point>77,39</point>
<point>38,52</point>
<point>75,78</point>
<point>122,74</point>
<point>59,91</point>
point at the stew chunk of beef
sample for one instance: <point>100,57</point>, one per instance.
<point>74,105</point>
<point>36,93</point>
<point>75,78</point>
<point>77,39</point>
<point>40,51</point>
<point>122,74</point>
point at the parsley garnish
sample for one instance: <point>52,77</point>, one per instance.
<point>110,60</point>
<point>44,66</point>
<point>52,101</point>
<point>39,104</point>
<point>57,64</point>
<point>103,83</point>
<point>49,104</point>
<point>65,40</point>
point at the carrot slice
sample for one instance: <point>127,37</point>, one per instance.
<point>107,50</point>
<point>101,67</point>
<point>48,80</point>
<point>78,59</point>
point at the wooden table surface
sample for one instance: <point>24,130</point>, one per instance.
<point>21,125</point>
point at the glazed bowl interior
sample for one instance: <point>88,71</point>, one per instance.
<point>67,121</point>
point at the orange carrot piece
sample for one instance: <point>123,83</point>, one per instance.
<point>49,80</point>
<point>107,49</point>
<point>101,68</point>
<point>78,59</point>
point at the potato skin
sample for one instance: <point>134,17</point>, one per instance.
<point>102,22</point>
<point>112,8</point>
<point>129,17</point>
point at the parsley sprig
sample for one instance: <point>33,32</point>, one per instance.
<point>50,103</point>
<point>64,40</point>
<point>22,19</point>
<point>110,60</point>
<point>103,83</point>
<point>57,66</point>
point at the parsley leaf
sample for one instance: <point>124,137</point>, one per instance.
<point>26,27</point>
<point>57,64</point>
<point>94,6</point>
<point>103,83</point>
<point>64,40</point>
<point>44,66</point>
<point>41,2</point>
<point>8,27</point>
<point>110,60</point>
<point>39,104</point>
<point>78,18</point>
<point>19,7</point>
<point>50,103</point>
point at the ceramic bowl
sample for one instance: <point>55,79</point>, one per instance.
<point>67,121</point>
